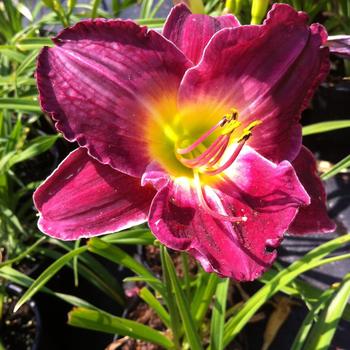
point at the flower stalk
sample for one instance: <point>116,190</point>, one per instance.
<point>259,8</point>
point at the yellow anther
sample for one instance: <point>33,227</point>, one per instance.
<point>247,131</point>
<point>230,127</point>
<point>231,116</point>
<point>253,124</point>
<point>234,113</point>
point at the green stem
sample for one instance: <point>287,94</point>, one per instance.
<point>259,8</point>
<point>230,6</point>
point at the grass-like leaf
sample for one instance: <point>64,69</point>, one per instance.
<point>344,163</point>
<point>324,329</point>
<point>23,254</point>
<point>118,256</point>
<point>23,280</point>
<point>218,315</point>
<point>202,306</point>
<point>20,104</point>
<point>151,300</point>
<point>298,288</point>
<point>104,322</point>
<point>325,127</point>
<point>37,146</point>
<point>311,260</point>
<point>47,275</point>
<point>182,304</point>
<point>135,236</point>
<point>98,274</point>
<point>305,327</point>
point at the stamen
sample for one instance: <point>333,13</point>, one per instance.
<point>247,131</point>
<point>200,139</point>
<point>218,145</point>
<point>220,154</point>
<point>229,162</point>
<point>206,207</point>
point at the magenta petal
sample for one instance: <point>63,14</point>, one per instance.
<point>155,175</point>
<point>191,33</point>
<point>268,195</point>
<point>101,83</point>
<point>266,72</point>
<point>314,217</point>
<point>84,198</point>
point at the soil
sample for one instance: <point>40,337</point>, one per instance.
<point>142,314</point>
<point>18,330</point>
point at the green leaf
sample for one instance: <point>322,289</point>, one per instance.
<point>146,8</point>
<point>118,256</point>
<point>102,277</point>
<point>156,8</point>
<point>298,288</point>
<point>218,315</point>
<point>95,5</point>
<point>182,304</point>
<point>10,80</point>
<point>24,254</point>
<point>344,163</point>
<point>134,236</point>
<point>325,127</point>
<point>36,146</point>
<point>324,329</point>
<point>104,322</point>
<point>27,62</point>
<point>305,327</point>
<point>12,54</point>
<point>24,10</point>
<point>311,260</point>
<point>23,280</point>
<point>20,104</point>
<point>149,280</point>
<point>199,309</point>
<point>151,300</point>
<point>151,22</point>
<point>47,275</point>
<point>86,269</point>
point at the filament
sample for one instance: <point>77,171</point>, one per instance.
<point>205,205</point>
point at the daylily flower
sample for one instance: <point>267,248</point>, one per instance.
<point>195,130</point>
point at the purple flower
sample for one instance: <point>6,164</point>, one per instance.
<point>195,131</point>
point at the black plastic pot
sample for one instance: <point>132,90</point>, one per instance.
<point>331,102</point>
<point>21,330</point>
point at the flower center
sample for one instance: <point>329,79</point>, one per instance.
<point>214,158</point>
